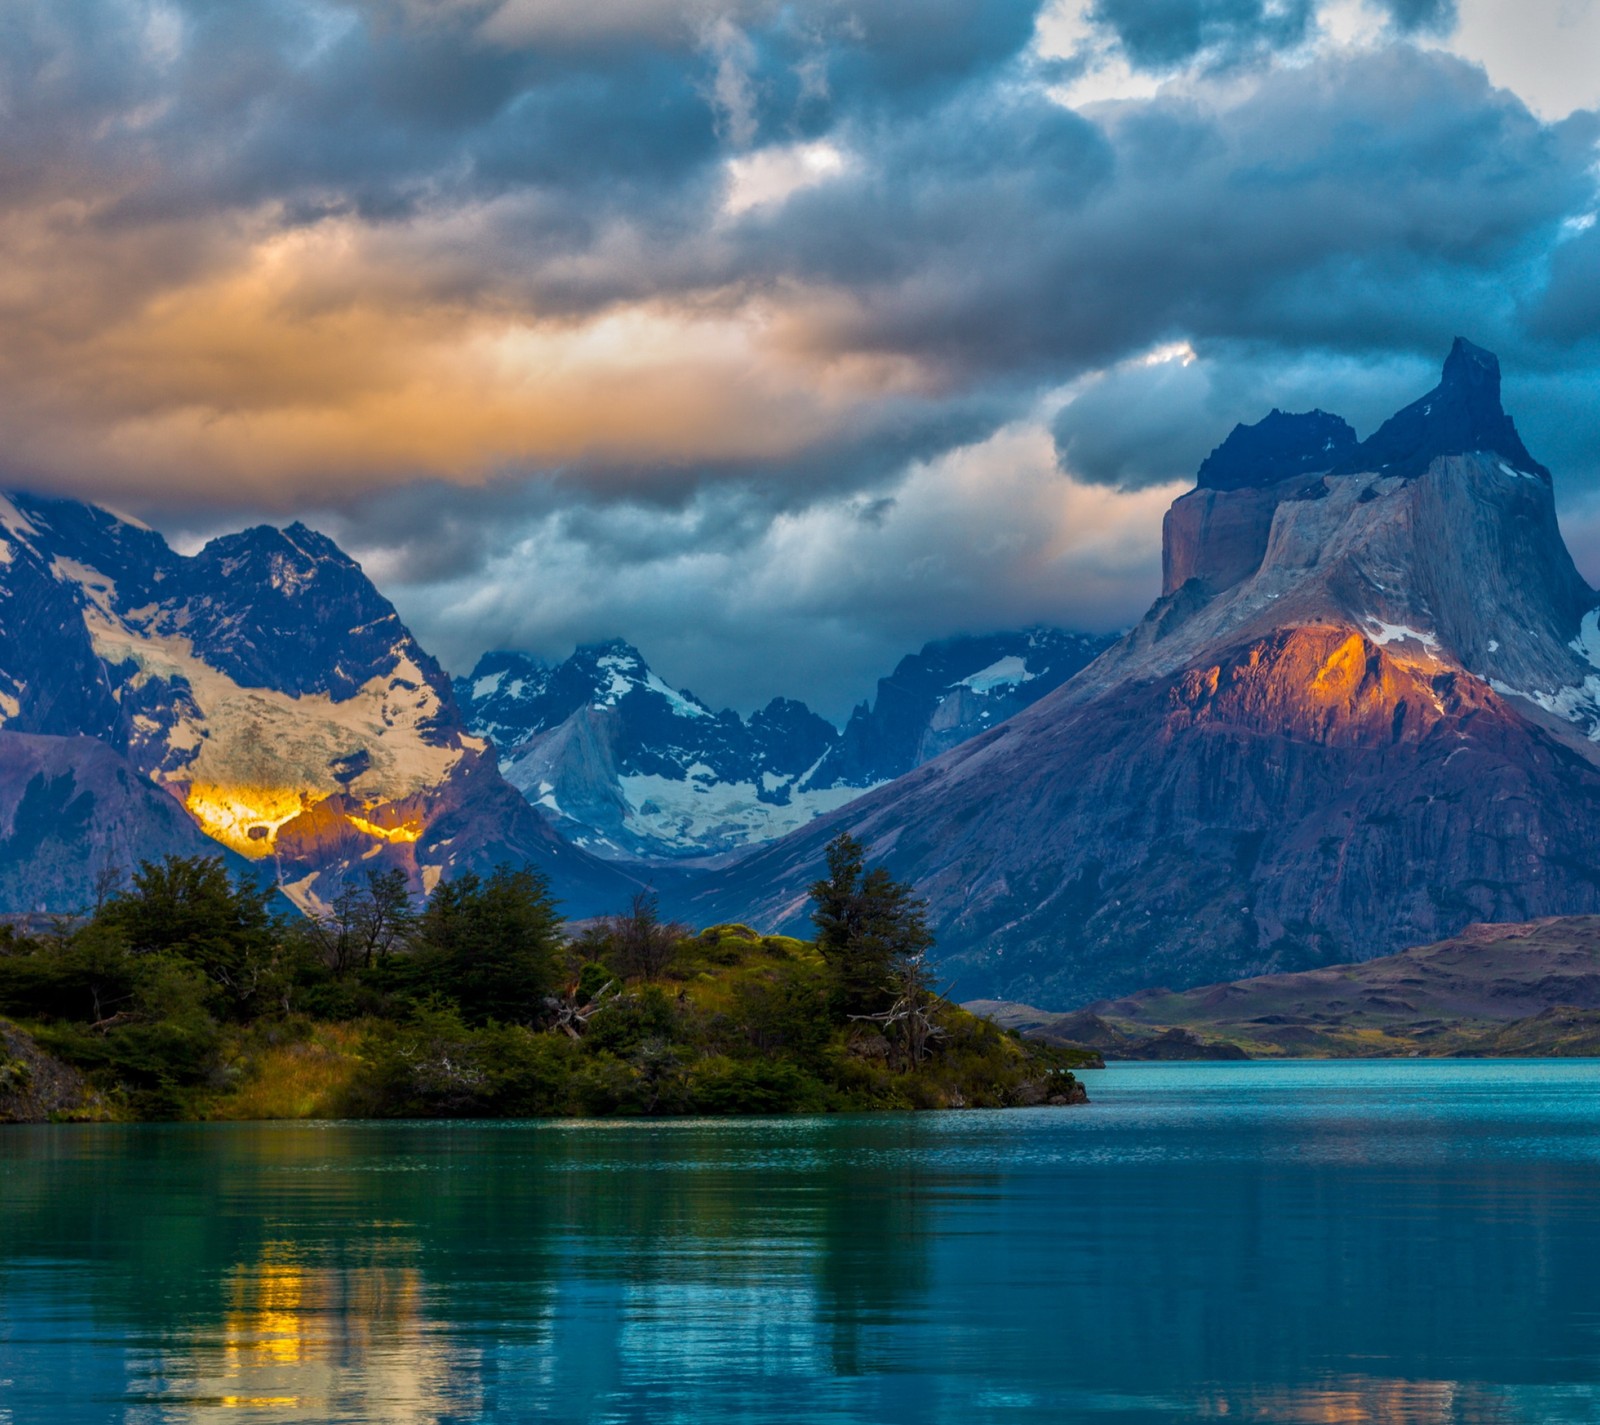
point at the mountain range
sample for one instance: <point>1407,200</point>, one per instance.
<point>627,767</point>
<point>260,698</point>
<point>1361,714</point>
<point>263,701</point>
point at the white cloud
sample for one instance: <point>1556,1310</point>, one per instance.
<point>771,175</point>
<point>814,603</point>
<point>1547,51</point>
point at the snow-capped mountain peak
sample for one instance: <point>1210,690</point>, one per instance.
<point>625,765</point>
<point>263,683</point>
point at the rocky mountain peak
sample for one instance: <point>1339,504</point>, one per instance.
<point>1275,448</point>
<point>1461,415</point>
<point>1364,712</point>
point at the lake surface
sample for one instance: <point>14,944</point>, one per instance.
<point>1397,1242</point>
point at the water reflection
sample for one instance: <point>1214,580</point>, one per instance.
<point>313,1343</point>
<point>1208,1243</point>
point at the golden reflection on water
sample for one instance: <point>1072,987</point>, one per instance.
<point>1357,1400</point>
<point>315,1340</point>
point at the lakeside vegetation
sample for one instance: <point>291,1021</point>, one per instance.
<point>186,995</point>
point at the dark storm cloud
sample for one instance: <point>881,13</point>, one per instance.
<point>466,280</point>
<point>1421,16</point>
<point>1162,34</point>
<point>1347,203</point>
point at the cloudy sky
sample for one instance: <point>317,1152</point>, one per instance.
<point>775,337</point>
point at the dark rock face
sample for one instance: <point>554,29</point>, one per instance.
<point>298,615</point>
<point>1360,717</point>
<point>627,766</point>
<point>36,1087</point>
<point>72,809</point>
<point>1461,414</point>
<point>262,694</point>
<point>1275,448</point>
<point>950,691</point>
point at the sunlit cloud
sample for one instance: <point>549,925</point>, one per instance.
<point>864,319</point>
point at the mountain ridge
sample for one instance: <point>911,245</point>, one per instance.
<point>268,689</point>
<point>1359,716</point>
<point>628,767</point>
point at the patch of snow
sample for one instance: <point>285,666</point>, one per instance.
<point>1383,633</point>
<point>1494,645</point>
<point>681,706</point>
<point>97,588</point>
<point>256,746</point>
<point>1587,643</point>
<point>692,814</point>
<point>771,781</point>
<point>487,685</point>
<point>1577,703</point>
<point>1517,474</point>
<point>14,522</point>
<point>302,894</point>
<point>1005,673</point>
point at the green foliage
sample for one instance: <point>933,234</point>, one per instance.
<point>869,928</point>
<point>638,944</point>
<point>186,995</point>
<point>766,1086</point>
<point>186,907</point>
<point>491,946</point>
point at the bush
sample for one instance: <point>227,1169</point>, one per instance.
<point>766,1086</point>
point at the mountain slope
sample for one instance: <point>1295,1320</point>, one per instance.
<point>626,766</point>
<point>1358,717</point>
<point>950,691</point>
<point>270,690</point>
<point>1493,990</point>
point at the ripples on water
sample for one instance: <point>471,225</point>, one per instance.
<point>1396,1242</point>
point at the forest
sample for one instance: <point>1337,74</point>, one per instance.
<point>190,994</point>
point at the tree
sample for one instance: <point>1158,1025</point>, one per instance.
<point>365,924</point>
<point>188,908</point>
<point>491,945</point>
<point>641,945</point>
<point>870,929</point>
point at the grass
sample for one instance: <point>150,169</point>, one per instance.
<point>304,1078</point>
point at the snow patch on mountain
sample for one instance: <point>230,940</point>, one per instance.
<point>698,811</point>
<point>624,764</point>
<point>1383,633</point>
<point>248,760</point>
<point>1002,673</point>
<point>1587,642</point>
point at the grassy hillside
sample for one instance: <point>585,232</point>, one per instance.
<point>186,998</point>
<point>1523,990</point>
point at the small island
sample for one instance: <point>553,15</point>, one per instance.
<point>189,995</point>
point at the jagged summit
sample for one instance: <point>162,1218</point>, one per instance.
<point>625,765</point>
<point>1364,712</point>
<point>264,688</point>
<point>1273,449</point>
<point>1461,415</point>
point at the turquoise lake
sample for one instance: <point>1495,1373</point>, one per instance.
<point>1394,1241</point>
